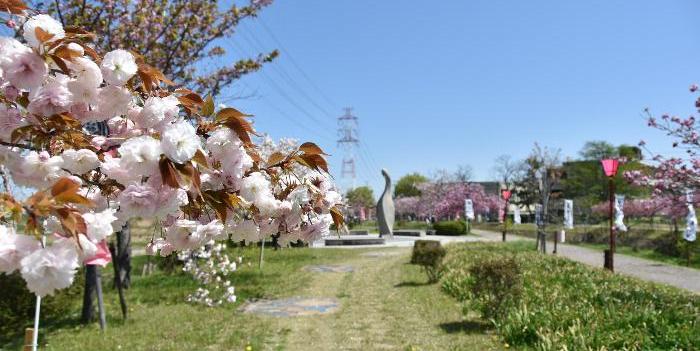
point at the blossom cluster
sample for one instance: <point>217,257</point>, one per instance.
<point>673,175</point>
<point>210,266</point>
<point>167,155</point>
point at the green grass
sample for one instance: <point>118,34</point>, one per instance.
<point>386,303</point>
<point>160,319</point>
<point>566,305</point>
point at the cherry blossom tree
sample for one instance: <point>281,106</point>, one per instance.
<point>407,205</point>
<point>168,156</point>
<point>673,174</point>
<point>183,39</point>
<point>443,199</point>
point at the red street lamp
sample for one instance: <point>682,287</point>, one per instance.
<point>610,169</point>
<point>505,193</point>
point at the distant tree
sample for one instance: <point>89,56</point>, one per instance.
<point>507,170</point>
<point>629,152</point>
<point>463,173</point>
<point>597,150</point>
<point>360,197</point>
<point>407,186</point>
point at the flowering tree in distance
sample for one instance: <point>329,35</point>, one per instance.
<point>444,199</point>
<point>168,156</point>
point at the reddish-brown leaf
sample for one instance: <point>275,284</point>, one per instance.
<point>60,63</point>
<point>314,161</point>
<point>337,216</point>
<point>71,221</point>
<point>66,53</point>
<point>311,148</point>
<point>64,186</point>
<point>15,7</point>
<point>276,158</point>
<point>201,159</point>
<point>236,120</point>
<point>74,198</point>
<point>42,35</point>
<point>168,172</point>
<point>208,106</point>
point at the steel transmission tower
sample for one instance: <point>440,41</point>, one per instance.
<point>348,141</point>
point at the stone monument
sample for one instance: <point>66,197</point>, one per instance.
<point>385,209</point>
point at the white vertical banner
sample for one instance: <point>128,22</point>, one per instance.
<point>619,213</point>
<point>569,214</point>
<point>469,209</point>
<point>691,220</point>
<point>516,215</point>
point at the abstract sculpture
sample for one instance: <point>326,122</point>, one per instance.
<point>385,209</point>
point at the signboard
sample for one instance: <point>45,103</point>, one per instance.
<point>469,209</point>
<point>619,213</point>
<point>569,214</point>
<point>691,220</point>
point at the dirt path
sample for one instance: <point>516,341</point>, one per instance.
<point>385,306</point>
<point>680,277</point>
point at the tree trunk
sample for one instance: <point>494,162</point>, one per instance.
<point>88,312</point>
<point>675,227</point>
<point>123,257</point>
<point>118,283</point>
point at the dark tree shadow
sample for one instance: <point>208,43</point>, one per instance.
<point>411,284</point>
<point>467,327</point>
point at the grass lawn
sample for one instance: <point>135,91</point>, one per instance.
<point>545,302</point>
<point>385,304</point>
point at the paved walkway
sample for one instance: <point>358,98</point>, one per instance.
<point>681,277</point>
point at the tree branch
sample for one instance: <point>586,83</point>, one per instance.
<point>21,146</point>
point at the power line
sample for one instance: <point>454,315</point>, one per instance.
<point>281,91</point>
<point>294,121</point>
<point>365,157</point>
<point>282,72</point>
<point>297,66</point>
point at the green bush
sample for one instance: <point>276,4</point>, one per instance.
<point>566,305</point>
<point>494,286</point>
<point>17,304</point>
<point>450,228</point>
<point>429,254</point>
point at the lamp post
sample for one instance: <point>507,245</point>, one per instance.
<point>610,169</point>
<point>505,193</point>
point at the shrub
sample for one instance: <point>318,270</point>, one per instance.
<point>566,305</point>
<point>429,254</point>
<point>450,228</point>
<point>494,286</point>
<point>667,244</point>
<point>17,304</point>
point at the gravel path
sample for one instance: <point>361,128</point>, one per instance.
<point>680,277</point>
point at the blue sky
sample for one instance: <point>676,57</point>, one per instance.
<point>447,83</point>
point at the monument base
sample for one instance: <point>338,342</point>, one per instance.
<point>409,232</point>
<point>354,241</point>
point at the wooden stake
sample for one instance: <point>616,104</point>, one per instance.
<point>100,300</point>
<point>262,248</point>
<point>28,338</point>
